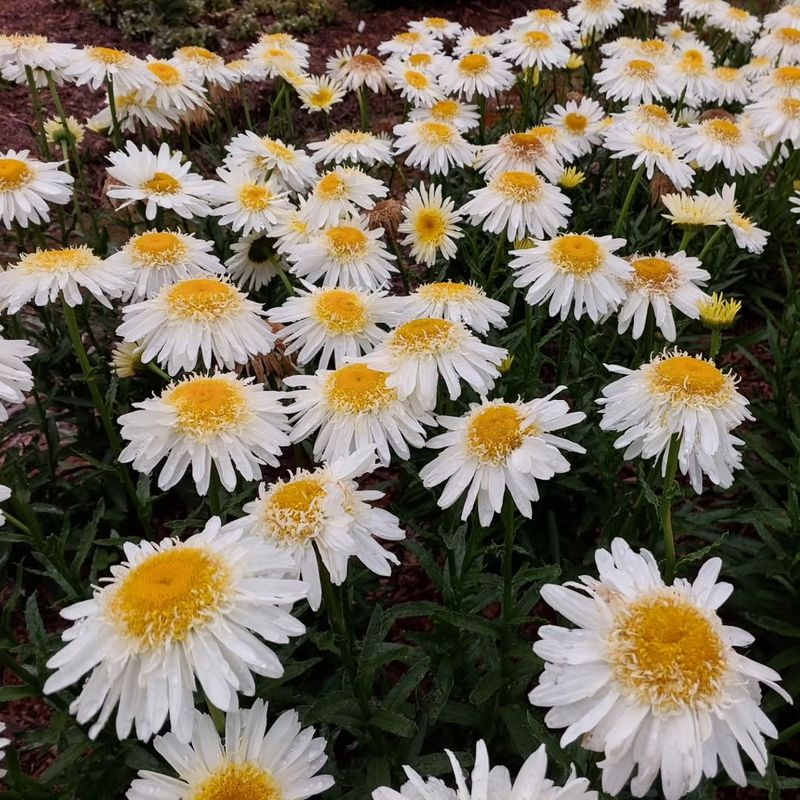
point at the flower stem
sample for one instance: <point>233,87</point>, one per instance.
<point>245,106</point>
<point>498,257</point>
<point>711,242</point>
<point>116,133</point>
<point>37,111</point>
<point>685,239</point>
<point>363,107</point>
<point>716,343</point>
<point>508,554</point>
<point>666,506</point>
<point>619,228</point>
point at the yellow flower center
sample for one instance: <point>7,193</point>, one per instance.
<point>738,14</point>
<point>357,389</point>
<point>435,22</point>
<point>294,511</point>
<point>546,15</point>
<point>525,144</point>
<point>165,73</point>
<point>278,150</point>
<point>346,242</point>
<point>693,62</point>
<point>521,187</point>
<point>322,97</point>
<point>206,406</point>
<point>640,68</point>
<point>202,299</point>
<point>787,76</point>
<point>474,64</point>
<point>790,106</point>
<point>538,39</point>
<point>159,248</point>
<point>420,60</point>
<point>162,183</point>
<point>576,253</point>
<point>788,35</point>
<point>199,54</point>
<point>340,312</point>
<point>254,197</point>
<point>416,80</point>
<point>108,55</point>
<point>684,379</point>
<point>655,47</point>
<point>331,187</point>
<point>168,594</point>
<point>719,312</point>
<point>448,292</point>
<point>425,337</point>
<point>575,123</point>
<point>408,37</point>
<point>723,131</point>
<point>653,272</point>
<point>366,62</point>
<point>665,652</point>
<point>496,431</point>
<point>239,781</point>
<point>430,226</point>
<point>727,74</point>
<point>655,113</point>
<point>445,109</point>
<point>436,133</point>
<point>352,137</point>
<point>653,145</point>
<point>14,174</point>
<point>68,259</point>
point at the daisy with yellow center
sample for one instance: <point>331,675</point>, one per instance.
<point>777,119</point>
<point>254,262</point>
<point>417,85</point>
<point>677,394</point>
<point>649,118</point>
<point>732,86</point>
<point>477,73</point>
<point>747,235</point>
<point>430,223</point>
<point>470,41</point>
<point>527,151</point>
<point>196,318</point>
<point>436,27</point>
<point>248,202</point>
<point>171,616</point>
<point>251,764</point>
<point>463,117</point>
<point>722,141</point>
<point>320,93</point>
<point>206,422</point>
<point>692,73</point>
<point>333,323</point>
<point>346,254</point>
<point>432,146</point>
<point>135,109</point>
<point>535,48</point>
<point>285,41</point>
<point>659,685</point>
<point>272,59</point>
<point>738,22</point>
<point>323,512</point>
<point>211,67</point>
<point>357,147</point>
<point>44,276</point>
<point>407,42</point>
<point>696,9</point>
<point>782,44</point>
<point>353,407</point>
<point>265,157</point>
<point>545,19</point>
<point>635,80</point>
<point>520,203</point>
<point>661,282</point>
<point>340,192</point>
<point>595,17</point>
<point>418,353</point>
<point>156,259</point>
<point>97,65</point>
<point>354,69</point>
<point>28,186</point>
<point>15,375</point>
<point>173,84</point>
<point>649,151</point>
<point>159,180</point>
<point>693,212</point>
<point>497,447</point>
<point>580,121</point>
<point>293,227</point>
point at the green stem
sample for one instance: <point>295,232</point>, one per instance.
<point>711,242</point>
<point>619,228</point>
<point>17,523</point>
<point>116,131</point>
<point>213,493</point>
<point>37,111</point>
<point>508,555</point>
<point>716,343</point>
<point>498,257</point>
<point>666,507</point>
<point>154,368</point>
<point>363,107</point>
<point>685,239</point>
<point>245,105</point>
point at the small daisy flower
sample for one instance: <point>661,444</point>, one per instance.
<point>45,275</point>
<point>595,17</point>
<point>545,19</point>
<point>739,23</point>
<point>536,48</point>
<point>347,254</point>
<point>650,152</point>
<point>356,68</point>
<point>173,84</point>
<point>206,421</point>
<point>353,407</point>
<point>477,73</point>
<point>436,27</point>
<point>721,141</point>
<point>777,119</point>
<point>15,375</point>
<point>97,65</point>
<point>432,146</point>
<point>324,512</point>
<point>320,93</point>
<point>126,359</point>
<point>649,118</point>
<point>457,302</point>
<point>196,318</point>
<point>692,212</point>
<point>254,263</point>
<point>28,186</point>
<point>340,192</point>
<point>573,269</point>
<point>782,81</point>
<point>211,67</point>
<point>407,42</point>
<point>780,44</point>
<point>416,354</point>
<point>661,282</point>
<point>357,147</point>
<point>580,121</point>
<point>692,74</point>
<point>334,323</point>
<point>658,686</point>
<point>156,259</point>
<point>678,394</point>
<point>470,41</point>
<point>272,60</point>
<point>255,761</point>
<point>697,9</point>
<point>430,223</point>
<point>525,151</point>
<point>418,86</point>
<point>246,202</point>
<point>732,85</point>
<point>498,446</point>
<point>635,80</point>
<point>33,50</point>
<point>293,227</point>
<point>747,235</point>
<point>461,116</point>
<point>159,180</point>
<point>173,615</point>
<point>265,156</point>
<point>519,203</point>
<point>135,109</point>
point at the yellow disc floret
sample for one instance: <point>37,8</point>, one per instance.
<point>691,381</point>
<point>340,312</point>
<point>205,299</point>
<point>158,248</point>
<point>14,174</point>
<point>346,242</point>
<point>474,64</point>
<point>358,389</point>
<point>207,406</point>
<point>294,511</point>
<point>239,781</point>
<point>521,187</point>
<point>578,254</point>
<point>425,337</point>
<point>162,183</point>
<point>496,431</point>
<point>653,273</point>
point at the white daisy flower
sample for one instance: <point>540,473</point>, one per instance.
<point>780,44</point>
<point>198,318</point>
<point>661,282</point>
<point>346,254</point>
<point>430,223</point>
<point>470,41</point>
<point>407,42</point>
<point>173,84</point>
<point>324,512</point>
<point>432,146</point>
<point>678,394</point>
<point>33,50</point>
<point>535,48</point>
<point>635,80</point>
<point>159,180</point>
<point>254,762</point>
<point>45,275</point>
<point>747,235</point>
<point>246,202</point>
<point>695,211</point>
<point>356,68</point>
<point>254,263</point>
<point>293,227</point>
<point>134,109</point>
<point>477,73</point>
<point>418,86</point>
<point>300,50</point>
<point>265,156</point>
<point>357,147</point>
<point>156,259</point>
<point>674,33</point>
<point>782,81</point>
<point>15,375</point>
<point>545,19</point>
<point>96,65</point>
<point>320,93</point>
<point>340,192</point>
<point>457,302</point>
<point>721,141</point>
<point>417,353</point>
<point>498,446</point>
<point>580,121</point>
<point>573,269</point>
<point>649,118</point>
<point>28,186</point>
<point>173,615</point>
<point>650,677</point>
<point>522,152</point>
<point>595,17</point>
<point>436,27</point>
<point>519,203</point>
<point>692,73</point>
<point>739,23</point>
<point>651,152</point>
<point>461,116</point>
<point>203,421</point>
<point>732,85</point>
<point>697,9</point>
<point>211,67</point>
<point>274,59</point>
<point>777,119</point>
<point>353,407</point>
<point>334,323</point>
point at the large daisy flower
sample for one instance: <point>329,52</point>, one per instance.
<point>174,84</point>
<point>356,68</point>
<point>722,141</point>
<point>651,152</point>
<point>650,677</point>
<point>462,116</point>
<point>340,192</point>
<point>15,374</point>
<point>580,121</point>
<point>211,67</point>
<point>499,446</point>
<point>432,146</point>
<point>27,186</point>
<point>248,202</point>
<point>635,80</point>
<point>263,155</point>
<point>526,151</point>
<point>430,223</point>
<point>357,147</point>
<point>535,48</point>
<point>477,73</point>
<point>96,65</point>
<point>204,420</point>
